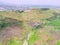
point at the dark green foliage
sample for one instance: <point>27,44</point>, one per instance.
<point>44,9</point>
<point>18,11</point>
<point>9,22</point>
<point>3,24</point>
<point>39,26</point>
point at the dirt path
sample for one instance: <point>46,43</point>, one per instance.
<point>26,41</point>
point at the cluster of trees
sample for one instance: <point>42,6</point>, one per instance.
<point>3,24</point>
<point>19,11</point>
<point>44,9</point>
<point>9,22</point>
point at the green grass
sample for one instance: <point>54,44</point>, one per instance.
<point>14,42</point>
<point>33,38</point>
<point>0,43</point>
<point>58,42</point>
<point>55,23</point>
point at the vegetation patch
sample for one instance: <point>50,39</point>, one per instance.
<point>33,38</point>
<point>58,42</point>
<point>55,23</point>
<point>14,42</point>
<point>9,22</point>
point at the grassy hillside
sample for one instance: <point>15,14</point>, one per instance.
<point>36,26</point>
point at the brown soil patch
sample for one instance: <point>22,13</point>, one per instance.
<point>12,32</point>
